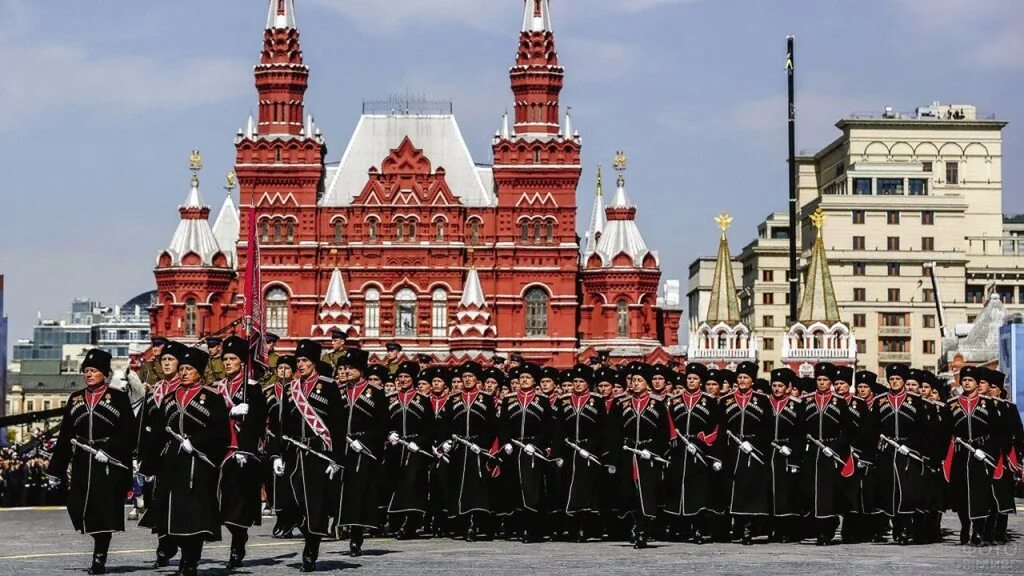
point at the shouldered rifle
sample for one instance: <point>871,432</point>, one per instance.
<point>590,457</point>
<point>181,440</point>
<point>110,459</point>
<point>475,449</point>
<point>558,462</point>
<point>653,456</point>
<point>754,452</point>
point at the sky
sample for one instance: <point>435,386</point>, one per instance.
<point>100,103</point>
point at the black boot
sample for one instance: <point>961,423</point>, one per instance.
<point>239,536</point>
<point>187,569</point>
<point>640,534</point>
<point>101,544</point>
<point>748,536</point>
<point>310,552</point>
<point>355,545</point>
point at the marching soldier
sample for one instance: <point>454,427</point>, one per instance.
<point>827,460</point>
<point>862,517</point>
<point>363,418</point>
<point>696,465</point>
<point>151,372</point>
<point>608,485</point>
<point>150,424</point>
<point>970,464</point>
<point>95,438</point>
<point>787,447</point>
<point>282,500</point>
<point>194,440</point>
<point>337,350</point>
<point>239,475</point>
<point>548,379</point>
<point>215,368</point>
<point>582,422</point>
<point>309,445</point>
<point>1004,484</point>
<point>933,503</point>
<point>900,424</point>
<point>644,430</point>
<point>524,431</point>
<point>748,425</point>
<point>439,392</point>
<point>411,437</point>
<point>470,424</point>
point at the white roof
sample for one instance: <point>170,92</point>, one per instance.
<point>437,135</point>
<point>283,18</point>
<point>473,292</point>
<point>193,234</point>
<point>533,22</point>
<point>622,235</point>
<point>336,293</point>
<point>226,228</point>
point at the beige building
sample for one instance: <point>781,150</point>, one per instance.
<point>900,192</point>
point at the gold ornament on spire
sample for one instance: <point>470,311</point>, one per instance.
<point>600,181</point>
<point>818,218</point>
<point>231,182</point>
<point>724,221</point>
<point>620,163</point>
<point>195,161</point>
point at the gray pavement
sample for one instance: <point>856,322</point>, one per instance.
<point>42,541</point>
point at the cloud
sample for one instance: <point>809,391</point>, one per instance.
<point>598,60</point>
<point>42,78</point>
<point>987,33</point>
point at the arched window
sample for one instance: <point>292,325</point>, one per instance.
<point>439,313</point>
<point>277,311</point>
<point>550,233</point>
<point>474,232</point>
<point>264,232</point>
<point>371,314</point>
<point>405,313</point>
<point>525,231</point>
<point>536,312</point>
<point>191,317</point>
<point>277,232</point>
<point>536,232</point>
<point>339,232</point>
<point>410,229</point>
<point>290,227</point>
<point>439,234</point>
<point>399,230</point>
<point>371,233</point>
<point>622,313</point>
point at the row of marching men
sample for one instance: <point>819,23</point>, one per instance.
<point>344,454</point>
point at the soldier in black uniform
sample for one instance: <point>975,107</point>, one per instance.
<point>1005,484</point>
<point>581,418</point>
<point>608,485</point>
<point>194,441</point>
<point>525,417</point>
<point>901,419</point>
<point>748,431</point>
<point>311,415</point>
<point>860,524</point>
<point>411,431</point>
<point>642,431</point>
<point>150,420</point>
<point>827,459</point>
<point>439,392</point>
<point>976,436</point>
<point>96,438</point>
<point>933,502</point>
<point>787,447</point>
<point>279,491</point>
<point>364,413</point>
<point>240,472</point>
<point>696,464</point>
<point>470,415</point>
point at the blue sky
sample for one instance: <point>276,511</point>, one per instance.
<point>100,103</point>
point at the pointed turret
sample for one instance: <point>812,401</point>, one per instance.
<point>597,217</point>
<point>226,226</point>
<point>193,235</point>
<point>619,234</point>
<point>537,16</point>
<point>281,14</point>
<point>536,77</point>
<point>818,302</point>
<point>336,309</point>
<point>725,306</point>
<point>473,330</point>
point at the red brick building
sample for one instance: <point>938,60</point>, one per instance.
<point>407,238</point>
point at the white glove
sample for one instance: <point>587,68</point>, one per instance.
<point>241,458</point>
<point>747,447</point>
<point>240,410</point>
<point>332,470</point>
<point>785,451</point>
<point>135,466</point>
<point>101,457</point>
<point>716,466</point>
<point>186,445</point>
<point>414,447</point>
<point>691,448</point>
<point>150,478</point>
<point>645,454</point>
<point>828,452</point>
<point>447,446</point>
<point>474,448</point>
<point>507,448</point>
<point>530,449</point>
<point>357,446</point>
<point>903,449</point>
<point>393,438</point>
<point>979,454</point>
<point>584,454</point>
<point>53,481</point>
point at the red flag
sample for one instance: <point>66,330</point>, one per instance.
<point>253,313</point>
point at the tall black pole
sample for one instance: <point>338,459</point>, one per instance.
<point>794,283</point>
